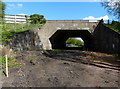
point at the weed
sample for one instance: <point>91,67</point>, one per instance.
<point>2,60</point>
<point>57,50</point>
<point>11,63</point>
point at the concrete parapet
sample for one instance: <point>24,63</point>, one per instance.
<point>67,20</point>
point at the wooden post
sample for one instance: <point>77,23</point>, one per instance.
<point>6,65</point>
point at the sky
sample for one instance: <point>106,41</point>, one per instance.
<point>60,10</point>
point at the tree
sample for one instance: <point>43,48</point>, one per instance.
<point>113,7</point>
<point>36,18</point>
<point>2,8</point>
<point>75,42</point>
<point>27,18</point>
<point>79,43</point>
<point>70,41</point>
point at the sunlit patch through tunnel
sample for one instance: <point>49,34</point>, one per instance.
<point>75,43</point>
<point>60,38</point>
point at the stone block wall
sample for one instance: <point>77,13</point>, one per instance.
<point>106,40</point>
<point>28,40</point>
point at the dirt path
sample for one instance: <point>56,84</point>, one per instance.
<point>61,69</point>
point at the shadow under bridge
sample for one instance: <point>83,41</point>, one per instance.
<point>58,39</point>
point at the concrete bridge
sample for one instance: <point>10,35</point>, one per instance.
<point>55,33</point>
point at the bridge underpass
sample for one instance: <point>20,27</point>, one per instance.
<point>58,39</point>
<point>53,35</point>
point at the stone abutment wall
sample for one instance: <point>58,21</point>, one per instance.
<point>106,40</point>
<point>28,40</point>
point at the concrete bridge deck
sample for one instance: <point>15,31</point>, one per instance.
<point>53,35</point>
<point>68,26</point>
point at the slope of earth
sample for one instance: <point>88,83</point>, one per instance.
<point>65,68</point>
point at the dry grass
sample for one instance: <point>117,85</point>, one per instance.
<point>102,57</point>
<point>6,51</point>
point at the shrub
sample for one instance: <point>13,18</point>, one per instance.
<point>75,42</point>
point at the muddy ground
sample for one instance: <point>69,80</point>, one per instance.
<point>67,68</point>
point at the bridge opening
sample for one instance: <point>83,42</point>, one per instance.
<point>75,43</point>
<point>59,38</point>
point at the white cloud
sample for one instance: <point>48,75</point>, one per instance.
<point>8,8</point>
<point>22,14</point>
<point>14,5</point>
<point>11,5</point>
<point>93,19</point>
<point>19,5</point>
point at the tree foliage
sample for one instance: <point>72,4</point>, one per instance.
<point>113,7</point>
<point>74,42</point>
<point>2,9</point>
<point>36,18</point>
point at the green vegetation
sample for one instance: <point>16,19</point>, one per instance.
<point>114,25</point>
<point>4,34</point>
<point>13,26</point>
<point>75,42</point>
<point>113,7</point>
<point>36,18</point>
<point>2,60</point>
<point>2,12</point>
<point>116,55</point>
<point>2,9</point>
<point>57,50</point>
<point>9,29</point>
<point>11,62</point>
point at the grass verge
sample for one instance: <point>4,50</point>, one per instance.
<point>114,26</point>
<point>57,50</point>
<point>11,63</point>
<point>5,34</point>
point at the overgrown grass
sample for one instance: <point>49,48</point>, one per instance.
<point>12,26</point>
<point>117,55</point>
<point>4,34</point>
<point>11,63</point>
<point>57,50</point>
<point>2,60</point>
<point>114,26</point>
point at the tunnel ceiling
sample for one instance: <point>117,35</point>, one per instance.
<point>59,38</point>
